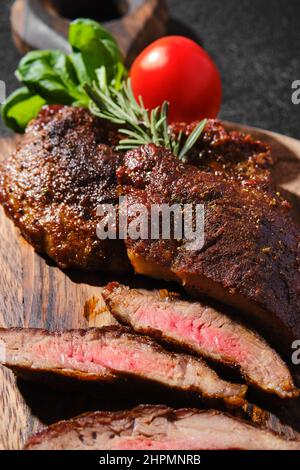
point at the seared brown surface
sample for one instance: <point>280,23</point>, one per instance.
<point>229,153</point>
<point>66,166</point>
<point>204,330</point>
<point>38,294</point>
<point>156,428</point>
<point>52,184</point>
<point>250,258</point>
<point>101,354</point>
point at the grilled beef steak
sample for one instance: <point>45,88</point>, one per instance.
<point>229,154</point>
<point>251,252</point>
<point>52,184</point>
<point>65,166</point>
<point>157,428</point>
<point>202,330</point>
<point>101,354</point>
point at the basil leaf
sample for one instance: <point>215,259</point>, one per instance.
<point>51,75</point>
<point>20,107</point>
<point>82,70</point>
<point>97,47</point>
<point>120,74</point>
<point>112,46</point>
<point>89,37</point>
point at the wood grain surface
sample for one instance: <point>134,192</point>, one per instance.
<point>35,293</point>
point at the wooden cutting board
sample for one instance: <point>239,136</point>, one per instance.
<point>35,293</point>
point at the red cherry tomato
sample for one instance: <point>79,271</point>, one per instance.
<point>176,69</point>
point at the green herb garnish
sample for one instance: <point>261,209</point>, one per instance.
<point>92,76</point>
<point>20,107</point>
<point>53,77</point>
<point>142,126</point>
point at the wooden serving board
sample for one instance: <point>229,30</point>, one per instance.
<point>35,293</point>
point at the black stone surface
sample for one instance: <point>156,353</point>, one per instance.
<point>255,43</point>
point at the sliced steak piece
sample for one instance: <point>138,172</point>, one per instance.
<point>250,258</point>
<point>99,354</point>
<point>51,187</point>
<point>157,428</point>
<point>203,330</point>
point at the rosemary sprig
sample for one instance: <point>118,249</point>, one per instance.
<point>142,126</point>
<point>191,140</point>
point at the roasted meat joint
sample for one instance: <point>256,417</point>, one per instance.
<point>150,290</point>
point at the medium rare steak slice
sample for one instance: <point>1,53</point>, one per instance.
<point>157,428</point>
<point>51,187</point>
<point>99,354</point>
<point>203,330</point>
<point>251,252</point>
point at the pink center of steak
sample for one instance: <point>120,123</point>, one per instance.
<point>192,329</point>
<point>204,330</point>
<point>144,443</point>
<point>123,353</point>
<point>99,355</point>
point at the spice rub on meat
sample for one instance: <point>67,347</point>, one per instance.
<point>66,165</point>
<point>52,184</point>
<point>231,154</point>
<point>250,257</point>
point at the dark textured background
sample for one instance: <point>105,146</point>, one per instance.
<point>255,43</point>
